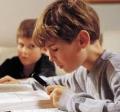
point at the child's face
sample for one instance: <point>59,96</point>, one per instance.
<point>66,56</point>
<point>28,52</point>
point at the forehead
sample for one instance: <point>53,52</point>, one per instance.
<point>54,43</point>
<point>25,40</point>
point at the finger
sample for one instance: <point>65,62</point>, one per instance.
<point>9,82</point>
<point>50,88</point>
<point>55,96</point>
<point>4,79</point>
<point>57,92</point>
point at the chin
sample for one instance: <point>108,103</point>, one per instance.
<point>25,63</point>
<point>68,70</point>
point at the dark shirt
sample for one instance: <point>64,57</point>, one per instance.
<point>13,67</point>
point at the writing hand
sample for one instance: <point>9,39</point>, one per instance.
<point>55,92</point>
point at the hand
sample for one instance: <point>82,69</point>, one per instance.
<point>55,92</point>
<point>8,80</point>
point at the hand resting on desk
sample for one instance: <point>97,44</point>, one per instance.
<point>8,80</point>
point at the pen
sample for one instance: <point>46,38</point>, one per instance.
<point>38,78</point>
<point>34,88</point>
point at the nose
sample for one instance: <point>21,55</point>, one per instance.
<point>25,50</point>
<point>51,56</point>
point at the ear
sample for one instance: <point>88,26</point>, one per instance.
<point>83,38</point>
<point>44,50</point>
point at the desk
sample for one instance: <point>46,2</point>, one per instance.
<point>40,110</point>
<point>35,101</point>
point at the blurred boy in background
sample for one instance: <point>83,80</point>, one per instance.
<point>30,59</point>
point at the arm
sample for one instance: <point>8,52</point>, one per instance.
<point>11,67</point>
<point>4,68</point>
<point>75,102</point>
<point>70,80</point>
<point>83,102</point>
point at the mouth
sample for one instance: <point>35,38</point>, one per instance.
<point>59,65</point>
<point>24,58</point>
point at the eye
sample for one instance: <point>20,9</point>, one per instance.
<point>20,45</point>
<point>54,49</point>
<point>31,46</point>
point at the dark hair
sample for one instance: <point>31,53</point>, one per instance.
<point>26,28</point>
<point>64,19</point>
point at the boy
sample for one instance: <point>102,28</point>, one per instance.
<point>30,59</point>
<point>70,31</point>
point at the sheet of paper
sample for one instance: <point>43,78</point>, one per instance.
<point>40,110</point>
<point>22,100</point>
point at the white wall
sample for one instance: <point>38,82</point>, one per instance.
<point>12,12</point>
<point>109,16</point>
<point>112,40</point>
<point>110,24</point>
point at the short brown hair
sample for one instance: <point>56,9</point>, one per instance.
<point>26,28</point>
<point>64,19</point>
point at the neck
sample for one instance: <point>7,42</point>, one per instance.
<point>28,69</point>
<point>94,52</point>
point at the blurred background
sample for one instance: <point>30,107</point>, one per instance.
<point>12,12</point>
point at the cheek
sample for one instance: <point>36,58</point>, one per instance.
<point>35,54</point>
<point>65,58</point>
<point>19,52</point>
<point>70,60</point>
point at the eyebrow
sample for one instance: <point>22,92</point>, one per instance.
<point>51,45</point>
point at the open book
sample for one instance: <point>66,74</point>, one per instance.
<point>22,98</point>
<point>10,101</point>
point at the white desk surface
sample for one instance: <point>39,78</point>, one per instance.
<point>24,101</point>
<point>39,110</point>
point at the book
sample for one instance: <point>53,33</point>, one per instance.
<point>15,87</point>
<point>10,101</point>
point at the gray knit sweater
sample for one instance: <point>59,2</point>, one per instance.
<point>95,91</point>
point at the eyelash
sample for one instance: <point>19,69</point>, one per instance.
<point>55,49</point>
<point>31,46</point>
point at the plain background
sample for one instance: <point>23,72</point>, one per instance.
<point>12,12</point>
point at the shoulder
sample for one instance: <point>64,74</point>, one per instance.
<point>112,65</point>
<point>44,59</point>
<point>12,60</point>
<point>112,59</point>
<point>115,61</point>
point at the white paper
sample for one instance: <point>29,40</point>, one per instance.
<point>21,100</point>
<point>39,110</point>
<point>15,87</point>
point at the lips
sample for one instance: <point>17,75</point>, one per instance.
<point>59,65</point>
<point>24,58</point>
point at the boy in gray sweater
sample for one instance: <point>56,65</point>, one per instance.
<point>70,31</point>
